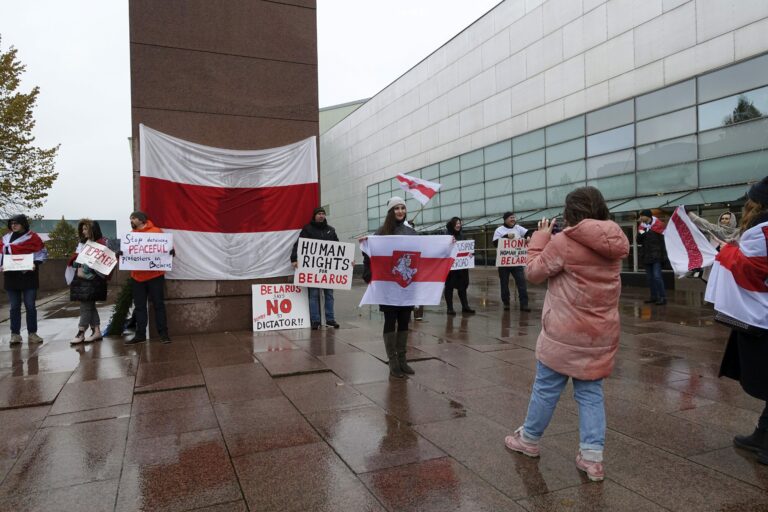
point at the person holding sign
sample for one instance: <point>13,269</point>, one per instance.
<point>457,279</point>
<point>87,285</point>
<point>512,230</point>
<point>318,229</point>
<point>21,284</point>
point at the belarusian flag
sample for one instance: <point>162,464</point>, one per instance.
<point>421,190</point>
<point>687,247</point>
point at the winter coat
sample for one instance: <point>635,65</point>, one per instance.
<point>25,280</point>
<point>145,275</point>
<point>580,320</point>
<point>651,243</point>
<point>457,279</point>
<point>727,233</point>
<point>315,231</point>
<point>93,287</point>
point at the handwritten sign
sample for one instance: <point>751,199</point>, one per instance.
<point>279,306</point>
<point>97,257</point>
<point>465,255</point>
<point>324,264</point>
<point>146,251</point>
<point>512,252</point>
<point>18,262</point>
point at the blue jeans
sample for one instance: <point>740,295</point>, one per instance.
<point>655,281</point>
<point>314,305</point>
<point>588,394</point>
<point>28,296</point>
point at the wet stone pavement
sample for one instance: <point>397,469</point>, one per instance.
<point>308,420</point>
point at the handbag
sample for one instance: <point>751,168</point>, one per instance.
<point>738,325</point>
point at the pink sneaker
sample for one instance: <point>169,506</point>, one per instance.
<point>515,443</point>
<point>594,470</point>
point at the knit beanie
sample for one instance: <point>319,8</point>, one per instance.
<point>507,215</point>
<point>394,201</point>
<point>759,192</point>
<point>139,215</point>
<point>646,213</point>
<point>317,210</point>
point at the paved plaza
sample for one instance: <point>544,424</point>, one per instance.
<point>309,420</point>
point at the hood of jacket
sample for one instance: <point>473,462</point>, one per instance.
<point>604,237</point>
<point>21,219</point>
<point>732,224</point>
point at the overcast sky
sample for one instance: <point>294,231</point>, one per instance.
<point>77,53</point>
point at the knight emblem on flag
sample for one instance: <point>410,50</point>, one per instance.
<point>406,266</point>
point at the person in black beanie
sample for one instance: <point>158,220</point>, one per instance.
<point>457,279</point>
<point>651,250</point>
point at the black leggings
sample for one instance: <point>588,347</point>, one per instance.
<point>399,316</point>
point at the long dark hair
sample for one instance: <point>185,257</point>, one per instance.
<point>390,223</point>
<point>95,230</point>
<point>752,210</point>
<point>584,203</point>
<point>451,226</point>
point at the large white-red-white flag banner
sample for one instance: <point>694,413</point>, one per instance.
<point>421,190</point>
<point>234,214</point>
<point>408,270</point>
<point>687,247</point>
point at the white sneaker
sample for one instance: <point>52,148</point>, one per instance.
<point>15,339</point>
<point>95,335</point>
<point>32,337</point>
<point>79,338</point>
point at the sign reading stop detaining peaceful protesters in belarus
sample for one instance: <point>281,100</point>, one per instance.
<point>279,306</point>
<point>465,255</point>
<point>512,252</point>
<point>322,264</point>
<point>98,257</point>
<point>146,251</point>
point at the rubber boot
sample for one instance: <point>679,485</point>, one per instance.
<point>390,341</point>
<point>755,442</point>
<point>448,294</point>
<point>402,342</point>
<point>465,303</point>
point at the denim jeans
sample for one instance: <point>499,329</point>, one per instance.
<point>314,305</point>
<point>15,298</point>
<point>518,273</point>
<point>655,281</point>
<point>588,394</point>
<point>153,290</point>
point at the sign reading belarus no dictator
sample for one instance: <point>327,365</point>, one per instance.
<point>279,306</point>
<point>97,257</point>
<point>146,251</point>
<point>512,252</point>
<point>324,264</point>
<point>465,255</point>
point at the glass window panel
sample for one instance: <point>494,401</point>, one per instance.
<point>529,180</point>
<point>733,169</point>
<point>498,187</point>
<point>385,187</point>
<point>530,200</point>
<point>566,130</point>
<point>667,126</point>
<point>472,159</point>
<point>450,181</point>
<point>612,164</point>
<point>373,224</point>
<point>430,173</point>
<point>566,173</point>
<point>667,179</point>
<point>611,117</point>
<point>666,100</point>
<point>473,209</point>
<point>446,212</point>
<point>383,198</point>
<point>472,193</point>
<point>612,140</point>
<point>450,196</point>
<point>431,215</point>
<point>382,211</point>
<point>415,174</point>
<point>565,152</point>
<point>412,205</point>
<point>373,201</point>
<point>668,152</point>
<point>740,138</point>
<point>373,213</point>
<point>471,176</point>
<point>528,142</point>
<point>747,75</point>
<point>556,195</point>
<point>373,190</point>
<point>528,161</point>
<point>498,151</point>
<point>498,169</point>
<point>498,205</point>
<point>734,109</point>
<point>615,187</point>
<point>449,166</point>
<point>395,185</point>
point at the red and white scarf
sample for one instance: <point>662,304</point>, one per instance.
<point>28,243</point>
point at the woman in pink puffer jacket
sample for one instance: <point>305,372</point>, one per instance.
<point>580,322</point>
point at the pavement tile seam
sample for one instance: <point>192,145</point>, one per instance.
<point>693,459</point>
<point>156,390</point>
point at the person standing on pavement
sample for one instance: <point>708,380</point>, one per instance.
<point>457,279</point>
<point>21,286</point>
<point>318,229</point>
<point>580,323</point>
<point>87,286</point>
<point>651,249</point>
<point>511,229</point>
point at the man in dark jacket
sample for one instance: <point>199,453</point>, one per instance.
<point>650,241</point>
<point>318,229</point>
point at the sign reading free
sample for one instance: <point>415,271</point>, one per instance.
<point>324,264</point>
<point>146,251</point>
<point>512,252</point>
<point>279,306</point>
<point>465,255</point>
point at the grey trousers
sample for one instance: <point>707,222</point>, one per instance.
<point>89,316</point>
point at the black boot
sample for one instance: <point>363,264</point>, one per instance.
<point>448,294</point>
<point>390,341</point>
<point>402,342</point>
<point>465,303</point>
<point>756,442</point>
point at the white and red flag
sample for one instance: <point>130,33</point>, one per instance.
<point>234,214</point>
<point>408,270</point>
<point>421,190</point>
<point>738,284</point>
<point>687,247</point>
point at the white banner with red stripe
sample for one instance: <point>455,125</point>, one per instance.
<point>465,255</point>
<point>408,270</point>
<point>234,214</point>
<point>421,190</point>
<point>687,247</point>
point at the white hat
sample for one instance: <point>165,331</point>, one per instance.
<point>394,201</point>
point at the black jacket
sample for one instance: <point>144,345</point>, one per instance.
<point>315,231</point>
<point>458,279</point>
<point>651,247</point>
<point>86,290</point>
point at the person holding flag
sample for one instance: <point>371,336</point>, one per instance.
<point>650,238</point>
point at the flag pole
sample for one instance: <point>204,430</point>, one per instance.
<point>417,214</point>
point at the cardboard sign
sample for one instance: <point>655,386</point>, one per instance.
<point>512,252</point>
<point>18,262</point>
<point>279,306</point>
<point>324,264</point>
<point>97,257</point>
<point>465,256</point>
<point>146,251</point>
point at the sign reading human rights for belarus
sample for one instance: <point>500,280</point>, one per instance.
<point>146,251</point>
<point>465,255</point>
<point>322,264</point>
<point>279,306</point>
<point>512,252</point>
<point>97,257</point>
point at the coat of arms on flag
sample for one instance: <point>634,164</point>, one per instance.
<point>406,266</point>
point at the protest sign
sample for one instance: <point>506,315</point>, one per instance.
<point>465,256</point>
<point>18,262</point>
<point>146,251</point>
<point>324,264</point>
<point>279,306</point>
<point>97,257</point>
<point>512,252</point>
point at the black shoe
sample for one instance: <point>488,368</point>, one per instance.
<point>468,311</point>
<point>315,325</point>
<point>165,339</point>
<point>525,308</point>
<point>450,312</point>
<point>332,323</point>
<point>753,442</point>
<point>506,306</point>
<point>135,339</point>
<point>661,302</point>
<point>650,301</point>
